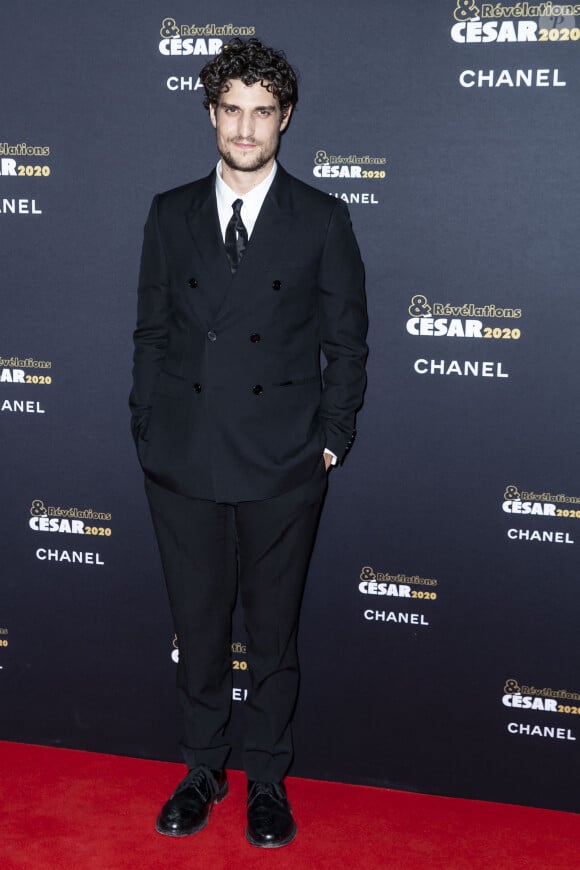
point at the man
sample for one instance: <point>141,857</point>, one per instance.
<point>245,276</point>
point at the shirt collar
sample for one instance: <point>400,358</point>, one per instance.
<point>258,193</point>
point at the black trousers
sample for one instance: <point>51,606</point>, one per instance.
<point>273,539</point>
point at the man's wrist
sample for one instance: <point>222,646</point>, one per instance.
<point>333,456</point>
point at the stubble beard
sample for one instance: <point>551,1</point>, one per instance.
<point>258,161</point>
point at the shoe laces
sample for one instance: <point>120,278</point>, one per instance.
<point>267,789</point>
<point>202,780</point>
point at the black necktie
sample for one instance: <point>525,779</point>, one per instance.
<point>236,237</point>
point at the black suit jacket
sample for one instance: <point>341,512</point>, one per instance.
<point>228,400</point>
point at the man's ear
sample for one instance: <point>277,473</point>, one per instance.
<point>212,115</point>
<point>285,120</point>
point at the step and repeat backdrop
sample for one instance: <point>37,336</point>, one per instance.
<point>439,637</point>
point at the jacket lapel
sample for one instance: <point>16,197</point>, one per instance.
<point>203,223</point>
<point>272,228</point>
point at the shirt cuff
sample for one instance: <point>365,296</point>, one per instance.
<point>333,456</point>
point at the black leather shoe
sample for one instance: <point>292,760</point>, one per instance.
<point>189,807</point>
<point>270,822</point>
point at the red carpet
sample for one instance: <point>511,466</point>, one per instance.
<point>80,810</point>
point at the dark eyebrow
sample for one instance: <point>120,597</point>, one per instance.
<point>270,108</point>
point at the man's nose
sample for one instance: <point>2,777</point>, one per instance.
<point>246,125</point>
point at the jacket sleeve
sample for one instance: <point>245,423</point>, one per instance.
<point>343,328</point>
<point>150,336</point>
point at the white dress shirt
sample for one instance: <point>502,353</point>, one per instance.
<point>251,202</point>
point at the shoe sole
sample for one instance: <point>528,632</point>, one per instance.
<point>218,799</point>
<point>276,845</point>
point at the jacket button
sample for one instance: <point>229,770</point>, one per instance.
<point>257,390</point>
<point>255,337</point>
<point>192,283</point>
<point>276,285</point>
<point>211,335</point>
<point>197,388</point>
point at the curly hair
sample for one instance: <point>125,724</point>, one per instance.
<point>251,62</point>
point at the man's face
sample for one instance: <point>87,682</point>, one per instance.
<point>248,124</point>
